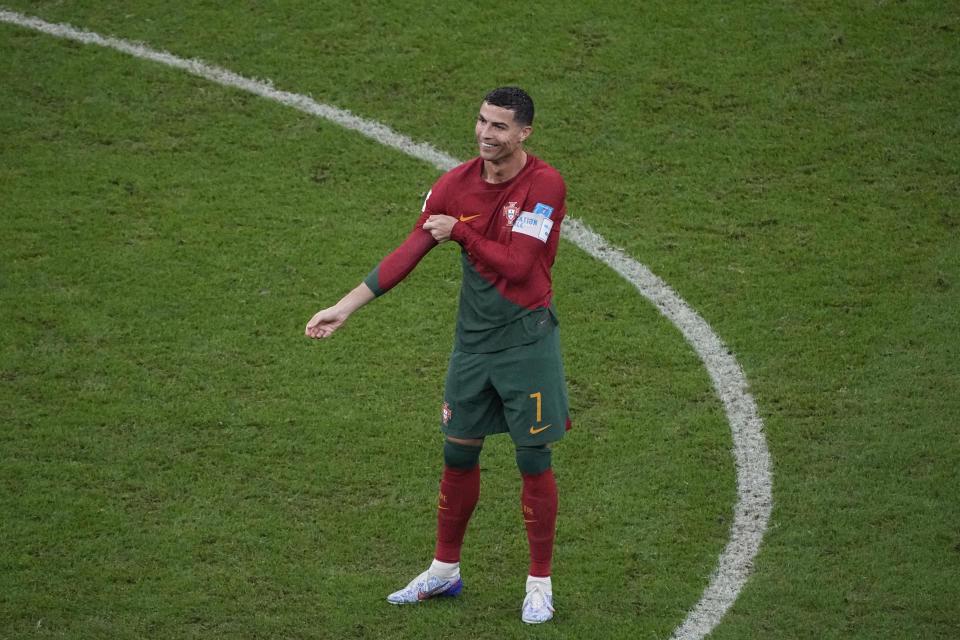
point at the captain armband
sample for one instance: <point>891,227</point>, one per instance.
<point>536,224</point>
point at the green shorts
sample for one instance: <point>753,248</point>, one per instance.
<point>520,390</point>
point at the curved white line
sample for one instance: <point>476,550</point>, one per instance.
<point>754,483</point>
<point>754,480</point>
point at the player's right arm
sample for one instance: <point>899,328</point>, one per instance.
<point>325,322</point>
<point>401,261</point>
<point>391,270</point>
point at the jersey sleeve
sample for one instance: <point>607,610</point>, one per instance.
<point>542,211</point>
<point>402,260</point>
<point>512,261</point>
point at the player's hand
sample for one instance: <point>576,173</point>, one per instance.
<point>323,323</point>
<point>440,227</point>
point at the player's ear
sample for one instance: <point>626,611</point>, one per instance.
<point>525,132</point>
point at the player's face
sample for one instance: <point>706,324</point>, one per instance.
<point>499,136</point>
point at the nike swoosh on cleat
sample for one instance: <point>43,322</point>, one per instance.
<point>534,431</point>
<point>423,595</point>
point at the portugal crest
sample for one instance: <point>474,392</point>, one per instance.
<point>446,413</point>
<point>510,212</point>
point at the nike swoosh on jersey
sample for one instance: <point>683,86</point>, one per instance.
<point>468,218</point>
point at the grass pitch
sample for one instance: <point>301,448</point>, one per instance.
<point>178,461</point>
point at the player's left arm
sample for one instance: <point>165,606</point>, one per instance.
<point>542,212</point>
<point>513,261</point>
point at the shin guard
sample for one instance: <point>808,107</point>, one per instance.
<point>540,501</point>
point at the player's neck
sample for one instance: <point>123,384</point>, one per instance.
<point>496,171</point>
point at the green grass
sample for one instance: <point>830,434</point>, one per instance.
<point>177,460</point>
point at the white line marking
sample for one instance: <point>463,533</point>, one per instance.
<point>752,510</point>
<point>754,479</point>
<point>369,128</point>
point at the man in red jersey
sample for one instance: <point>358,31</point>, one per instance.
<point>504,208</point>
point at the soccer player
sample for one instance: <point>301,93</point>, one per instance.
<point>504,208</point>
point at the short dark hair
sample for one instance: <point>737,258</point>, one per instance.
<point>515,99</point>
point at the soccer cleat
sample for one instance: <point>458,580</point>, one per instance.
<point>426,586</point>
<point>538,605</point>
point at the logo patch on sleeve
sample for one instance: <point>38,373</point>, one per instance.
<point>541,208</point>
<point>535,225</point>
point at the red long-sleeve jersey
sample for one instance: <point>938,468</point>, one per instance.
<point>509,233</point>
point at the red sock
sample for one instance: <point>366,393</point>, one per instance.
<point>540,500</point>
<point>459,492</point>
